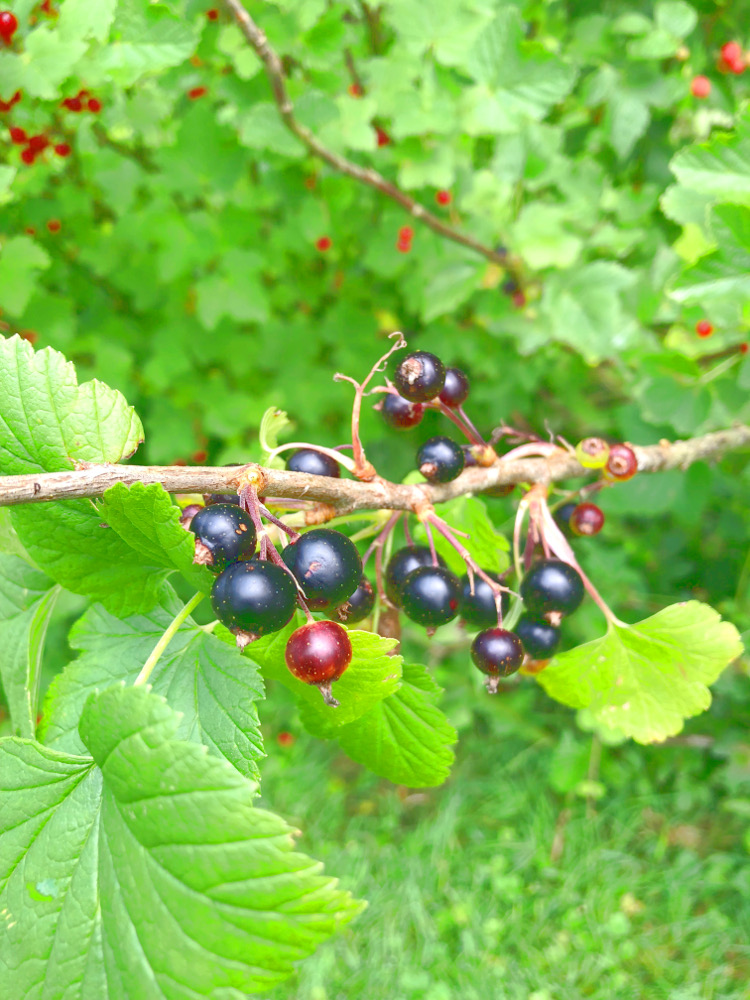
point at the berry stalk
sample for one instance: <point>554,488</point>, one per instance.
<point>166,638</point>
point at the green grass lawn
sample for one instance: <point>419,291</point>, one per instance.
<point>498,885</point>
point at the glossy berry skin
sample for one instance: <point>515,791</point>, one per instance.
<point>539,638</point>
<point>318,653</point>
<point>497,652</point>
<point>622,464</point>
<point>440,460</point>
<point>420,377</point>
<point>326,565</point>
<point>552,587</point>
<point>430,596</point>
<point>587,519</point>
<point>478,609</point>
<point>224,534</point>
<point>562,516</point>
<point>214,498</point>
<point>314,463</point>
<point>401,564</point>
<point>359,605</point>
<point>254,597</point>
<point>400,413</point>
<point>456,389</point>
<point>8,25</point>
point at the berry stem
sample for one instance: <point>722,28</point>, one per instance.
<point>166,638</point>
<point>431,518</point>
<point>293,535</point>
<point>377,542</point>
<point>464,416</point>
<point>431,543</point>
<point>469,433</point>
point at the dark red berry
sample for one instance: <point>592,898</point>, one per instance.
<point>382,136</point>
<point>430,596</point>
<point>38,143</point>
<point>252,598</point>
<point>443,197</point>
<point>28,155</point>
<point>497,653</point>
<point>587,519</point>
<point>700,86</point>
<point>327,567</point>
<point>440,460</point>
<point>73,104</point>
<point>63,149</point>
<point>539,638</point>
<point>212,14</point>
<point>703,328</point>
<point>478,609</point>
<point>95,106</point>
<point>323,243</point>
<point>552,588</point>
<point>359,605</point>
<point>399,412</point>
<point>285,739</point>
<point>401,564</point>
<point>456,388</point>
<point>224,534</point>
<point>318,653</point>
<point>622,463</point>
<point>195,92</point>
<point>8,25</point>
<point>420,377</point>
<point>314,463</point>
<point>18,136</point>
<point>54,225</point>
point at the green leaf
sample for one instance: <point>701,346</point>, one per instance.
<point>725,273</point>
<point>485,543</point>
<point>371,676</point>
<point>720,167</point>
<point>146,38</point>
<point>542,236</point>
<point>209,683</point>
<point>27,599</point>
<point>147,872</point>
<point>49,58</point>
<point>676,17</point>
<point>20,261</point>
<point>83,19</point>
<point>646,679</point>
<point>149,522</point>
<point>405,738</point>
<point>273,422</point>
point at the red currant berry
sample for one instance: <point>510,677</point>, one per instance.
<point>430,596</point>
<point>223,534</point>
<point>731,52</point>
<point>318,653</point>
<point>406,233</point>
<point>456,389</point>
<point>327,567</point>
<point>440,460</point>
<point>8,26</point>
<point>18,136</point>
<point>403,246</point>
<point>73,104</point>
<point>323,243</point>
<point>703,328</point>
<point>359,605</point>
<point>744,348</point>
<point>399,412</point>
<point>54,225</point>
<point>552,588</point>
<point>382,136</point>
<point>420,377</point>
<point>253,598</point>
<point>195,92</point>
<point>355,89</point>
<point>587,519</point>
<point>519,299</point>
<point>285,739</point>
<point>38,143</point>
<point>497,653</point>
<point>213,14</point>
<point>401,565</point>
<point>95,105</point>
<point>443,197</point>
<point>700,86</point>
<point>63,149</point>
<point>622,463</point>
<point>314,463</point>
<point>28,155</point>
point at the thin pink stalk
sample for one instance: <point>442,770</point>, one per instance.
<point>294,535</point>
<point>379,540</point>
<point>465,417</point>
<point>431,542</point>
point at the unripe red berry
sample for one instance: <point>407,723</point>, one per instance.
<point>443,197</point>
<point>318,653</point>
<point>323,243</point>
<point>622,463</point>
<point>18,136</point>
<point>63,149</point>
<point>703,328</point>
<point>195,92</point>
<point>586,519</point>
<point>700,86</point>
<point>8,26</point>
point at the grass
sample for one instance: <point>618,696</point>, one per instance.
<point>499,887</point>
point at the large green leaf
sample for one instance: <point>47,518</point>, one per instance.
<point>646,679</point>
<point>209,683</point>
<point>485,543</point>
<point>27,598</point>
<point>719,167</point>
<point>20,262</point>
<point>146,871</point>
<point>724,273</point>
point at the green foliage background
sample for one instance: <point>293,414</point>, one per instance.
<point>185,272</point>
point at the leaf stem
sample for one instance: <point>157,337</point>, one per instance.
<point>166,638</point>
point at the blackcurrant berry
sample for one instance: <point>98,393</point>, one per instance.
<point>497,653</point>
<point>562,517</point>
<point>401,564</point>
<point>400,413</point>
<point>470,459</point>
<point>539,638</point>
<point>315,463</point>
<point>587,519</point>
<point>253,598</point>
<point>420,377</point>
<point>224,533</point>
<point>479,609</point>
<point>552,588</point>
<point>622,463</point>
<point>456,388</point>
<point>326,565</point>
<point>318,653</point>
<point>430,596</point>
<point>359,605</point>
<point>440,460</point>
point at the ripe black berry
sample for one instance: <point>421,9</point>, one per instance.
<point>562,517</point>
<point>359,605</point>
<point>587,519</point>
<point>420,377</point>
<point>401,564</point>
<point>318,653</point>
<point>479,609</point>
<point>430,596</point>
<point>539,638</point>
<point>439,459</point>
<point>327,566</point>
<point>497,653</point>
<point>552,588</point>
<point>400,413</point>
<point>315,463</point>
<point>456,388</point>
<point>253,599</point>
<point>224,533</point>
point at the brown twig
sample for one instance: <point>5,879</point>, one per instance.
<point>347,495</point>
<point>365,175</point>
